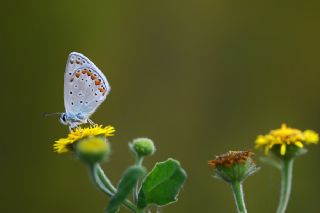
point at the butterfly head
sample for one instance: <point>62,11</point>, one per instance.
<point>63,119</point>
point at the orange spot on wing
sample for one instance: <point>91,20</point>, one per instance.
<point>93,77</point>
<point>97,82</point>
<point>78,74</point>
<point>101,89</point>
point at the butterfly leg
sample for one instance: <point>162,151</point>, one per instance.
<point>72,126</point>
<point>91,122</point>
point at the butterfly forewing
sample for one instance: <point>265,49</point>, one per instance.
<point>85,86</point>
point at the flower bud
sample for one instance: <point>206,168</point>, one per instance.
<point>142,147</point>
<point>93,149</point>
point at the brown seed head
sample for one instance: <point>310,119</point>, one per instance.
<point>230,158</point>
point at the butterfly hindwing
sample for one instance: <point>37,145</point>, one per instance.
<point>85,86</point>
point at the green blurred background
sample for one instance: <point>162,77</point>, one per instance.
<point>198,77</point>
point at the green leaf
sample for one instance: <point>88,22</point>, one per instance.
<point>128,181</point>
<point>162,185</point>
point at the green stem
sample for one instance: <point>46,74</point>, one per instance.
<point>105,180</point>
<point>239,197</point>
<point>97,181</point>
<point>139,161</point>
<point>103,183</point>
<point>286,182</point>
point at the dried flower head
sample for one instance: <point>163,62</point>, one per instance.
<point>230,158</point>
<point>234,166</point>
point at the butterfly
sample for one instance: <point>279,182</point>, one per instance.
<point>85,88</point>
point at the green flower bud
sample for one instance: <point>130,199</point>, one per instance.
<point>234,166</point>
<point>142,147</point>
<point>93,149</point>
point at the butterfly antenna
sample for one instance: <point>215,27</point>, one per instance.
<point>46,114</point>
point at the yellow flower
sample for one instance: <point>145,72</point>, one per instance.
<point>284,137</point>
<point>64,145</point>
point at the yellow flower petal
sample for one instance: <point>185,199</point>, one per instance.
<point>261,140</point>
<point>310,136</point>
<point>283,149</point>
<point>64,145</point>
<point>298,144</point>
<point>286,136</point>
<point>266,150</point>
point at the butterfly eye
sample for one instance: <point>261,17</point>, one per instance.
<point>63,119</point>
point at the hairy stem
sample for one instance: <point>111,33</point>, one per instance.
<point>97,181</point>
<point>105,180</point>
<point>239,197</point>
<point>139,161</point>
<point>103,183</point>
<point>286,182</point>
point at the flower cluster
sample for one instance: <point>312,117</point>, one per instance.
<point>284,137</point>
<point>65,145</point>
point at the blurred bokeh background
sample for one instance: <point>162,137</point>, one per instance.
<point>198,77</point>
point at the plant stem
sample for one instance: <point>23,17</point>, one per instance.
<point>105,180</point>
<point>97,181</point>
<point>239,196</point>
<point>139,161</point>
<point>103,183</point>
<point>286,182</point>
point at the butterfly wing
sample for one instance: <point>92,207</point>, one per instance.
<point>85,86</point>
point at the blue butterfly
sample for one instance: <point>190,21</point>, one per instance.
<point>85,88</point>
